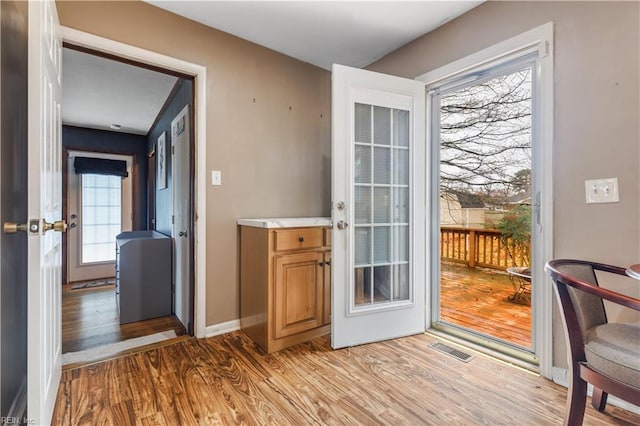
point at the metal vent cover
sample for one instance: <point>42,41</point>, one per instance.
<point>462,356</point>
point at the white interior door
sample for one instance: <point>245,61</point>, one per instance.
<point>379,207</point>
<point>180,137</point>
<point>44,203</point>
<point>92,223</point>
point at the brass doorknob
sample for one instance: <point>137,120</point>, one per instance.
<point>12,227</point>
<point>58,226</point>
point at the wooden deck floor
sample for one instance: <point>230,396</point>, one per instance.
<point>227,380</point>
<point>478,299</point>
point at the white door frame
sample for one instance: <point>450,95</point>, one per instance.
<point>538,39</point>
<point>101,44</point>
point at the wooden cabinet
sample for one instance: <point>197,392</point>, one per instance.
<point>285,285</point>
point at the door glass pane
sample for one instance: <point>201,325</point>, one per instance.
<point>362,203</point>
<point>362,164</point>
<point>381,244</point>
<point>382,283</point>
<point>382,165</point>
<point>362,286</point>
<point>401,128</point>
<point>401,205</point>
<point>401,166</point>
<point>381,126</point>
<point>101,217</point>
<point>401,280</point>
<point>362,246</point>
<point>401,243</point>
<point>381,205</point>
<point>363,123</point>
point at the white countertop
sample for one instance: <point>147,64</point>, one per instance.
<point>286,222</point>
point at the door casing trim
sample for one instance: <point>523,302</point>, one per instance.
<point>199,72</point>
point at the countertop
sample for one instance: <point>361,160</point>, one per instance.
<point>286,222</point>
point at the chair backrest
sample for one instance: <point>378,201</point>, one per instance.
<point>589,308</point>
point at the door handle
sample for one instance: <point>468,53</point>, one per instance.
<point>342,225</point>
<point>12,227</point>
<point>34,226</point>
<point>58,226</point>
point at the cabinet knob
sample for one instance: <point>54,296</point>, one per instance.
<point>301,239</point>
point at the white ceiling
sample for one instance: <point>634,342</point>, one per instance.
<point>98,92</point>
<point>354,33</point>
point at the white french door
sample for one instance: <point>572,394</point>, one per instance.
<point>44,204</point>
<point>100,207</point>
<point>378,209</point>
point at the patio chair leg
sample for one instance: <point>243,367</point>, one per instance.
<point>599,399</point>
<point>576,401</point>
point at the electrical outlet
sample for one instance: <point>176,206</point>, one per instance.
<point>602,190</point>
<point>216,177</point>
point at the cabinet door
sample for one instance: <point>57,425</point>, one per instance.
<point>298,292</point>
<point>326,308</point>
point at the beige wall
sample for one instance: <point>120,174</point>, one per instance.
<point>274,152</point>
<point>596,112</point>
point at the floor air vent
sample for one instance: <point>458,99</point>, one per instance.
<point>462,356</point>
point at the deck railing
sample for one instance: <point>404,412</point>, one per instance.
<point>480,247</point>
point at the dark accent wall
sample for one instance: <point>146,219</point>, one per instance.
<point>183,95</point>
<point>78,138</point>
<point>13,201</point>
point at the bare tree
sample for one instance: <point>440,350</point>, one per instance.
<point>485,135</point>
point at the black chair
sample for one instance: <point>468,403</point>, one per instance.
<point>605,354</point>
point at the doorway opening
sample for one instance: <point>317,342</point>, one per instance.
<point>490,126</point>
<point>116,109</point>
<point>485,161</point>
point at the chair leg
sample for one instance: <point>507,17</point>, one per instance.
<point>599,399</point>
<point>576,401</point>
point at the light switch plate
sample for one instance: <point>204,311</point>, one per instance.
<point>216,177</point>
<point>602,190</point>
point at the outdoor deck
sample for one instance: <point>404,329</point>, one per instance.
<point>478,299</point>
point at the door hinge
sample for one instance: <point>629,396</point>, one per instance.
<point>173,149</point>
<point>172,219</point>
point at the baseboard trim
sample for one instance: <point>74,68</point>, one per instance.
<point>560,376</point>
<point>222,328</point>
<point>18,409</point>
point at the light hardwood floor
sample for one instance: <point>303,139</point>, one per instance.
<point>228,380</point>
<point>90,319</point>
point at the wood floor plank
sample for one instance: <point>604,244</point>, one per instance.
<point>90,318</point>
<point>227,380</point>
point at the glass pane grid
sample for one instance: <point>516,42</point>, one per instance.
<point>101,217</point>
<point>381,205</point>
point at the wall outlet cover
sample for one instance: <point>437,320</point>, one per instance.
<point>602,191</point>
